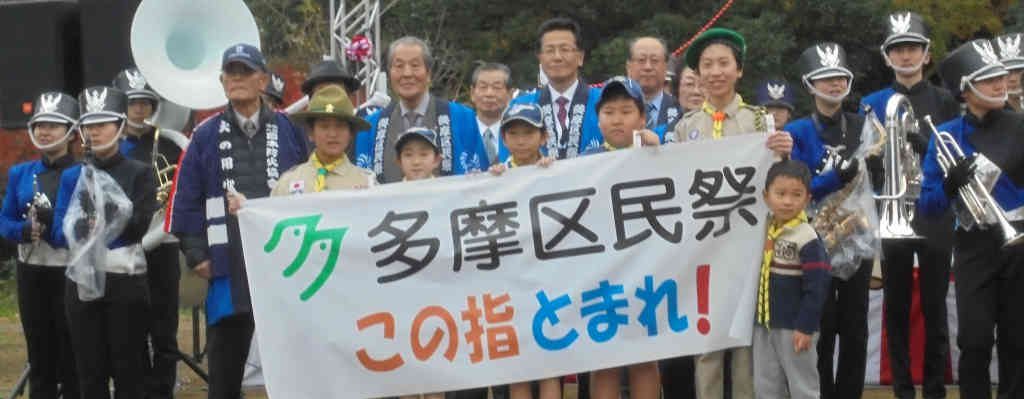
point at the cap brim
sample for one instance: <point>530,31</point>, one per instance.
<point>406,138</point>
<point>358,124</point>
<point>905,38</point>
<point>825,73</point>
<point>992,71</point>
<point>1013,64</point>
<point>510,120</point>
<point>246,62</point>
<point>351,84</point>
<point>692,54</point>
<point>778,103</point>
<point>50,117</point>
<point>98,117</point>
<point>142,94</point>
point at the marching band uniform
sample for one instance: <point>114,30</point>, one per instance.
<point>41,264</point>
<point>1011,54</point>
<point>162,250</point>
<point>826,143</point>
<point>933,250</point>
<point>221,157</point>
<point>988,278</point>
<point>777,94</point>
<point>106,334</point>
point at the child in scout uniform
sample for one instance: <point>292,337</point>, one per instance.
<point>717,56</point>
<point>621,116</point>
<point>523,134</point>
<point>332,126</point>
<point>795,277</point>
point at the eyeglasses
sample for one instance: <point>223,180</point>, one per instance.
<point>554,51</point>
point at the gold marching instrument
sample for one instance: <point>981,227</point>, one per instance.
<point>833,221</point>
<point>902,171</point>
<point>974,197</point>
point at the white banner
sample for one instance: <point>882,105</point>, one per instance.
<point>468,281</point>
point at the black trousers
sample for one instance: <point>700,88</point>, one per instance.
<point>228,343</point>
<point>898,275</point>
<point>163,274</point>
<point>677,378</point>
<point>107,337</point>
<point>846,314</point>
<point>41,305</point>
<point>989,293</point>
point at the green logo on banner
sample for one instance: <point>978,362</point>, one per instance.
<point>311,236</point>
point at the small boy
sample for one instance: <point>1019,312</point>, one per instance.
<point>418,158</point>
<point>418,154</point>
<point>620,116</point>
<point>795,276</point>
<point>522,132</point>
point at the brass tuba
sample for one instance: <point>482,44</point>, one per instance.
<point>974,197</point>
<point>902,171</point>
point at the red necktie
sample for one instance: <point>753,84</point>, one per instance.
<point>562,112</point>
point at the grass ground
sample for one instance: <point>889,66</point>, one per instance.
<point>12,355</point>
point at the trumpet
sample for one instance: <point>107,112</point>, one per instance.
<point>974,197</point>
<point>164,171</point>
<point>902,171</point>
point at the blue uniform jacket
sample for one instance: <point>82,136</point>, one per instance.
<point>933,200</point>
<point>198,208</point>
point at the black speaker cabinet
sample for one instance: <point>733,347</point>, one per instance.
<point>41,52</point>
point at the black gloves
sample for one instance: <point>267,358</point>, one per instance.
<point>848,170</point>
<point>918,143</point>
<point>958,176</point>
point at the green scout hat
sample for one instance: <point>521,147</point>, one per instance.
<point>692,54</point>
<point>332,101</point>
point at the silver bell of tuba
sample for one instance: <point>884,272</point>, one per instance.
<point>974,197</point>
<point>902,171</point>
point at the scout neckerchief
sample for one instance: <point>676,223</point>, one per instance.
<point>512,162</point>
<point>444,136</point>
<point>609,147</point>
<point>763,299</point>
<point>718,117</point>
<point>322,171</point>
<point>566,145</point>
<point>227,160</point>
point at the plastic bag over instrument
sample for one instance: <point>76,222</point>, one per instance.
<point>847,220</point>
<point>99,210</point>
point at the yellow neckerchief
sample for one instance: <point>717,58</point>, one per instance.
<point>513,164</point>
<point>609,147</point>
<point>774,231</point>
<point>717,117</point>
<point>322,170</point>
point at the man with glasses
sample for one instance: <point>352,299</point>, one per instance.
<point>567,103</point>
<point>236,154</point>
<point>647,65</point>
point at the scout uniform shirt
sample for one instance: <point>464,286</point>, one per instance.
<point>740,118</point>
<point>302,178</point>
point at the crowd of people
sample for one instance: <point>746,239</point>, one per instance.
<point>98,281</point>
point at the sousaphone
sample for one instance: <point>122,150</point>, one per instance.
<point>178,44</point>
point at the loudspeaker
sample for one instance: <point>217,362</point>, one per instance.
<point>40,51</point>
<point>106,30</point>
